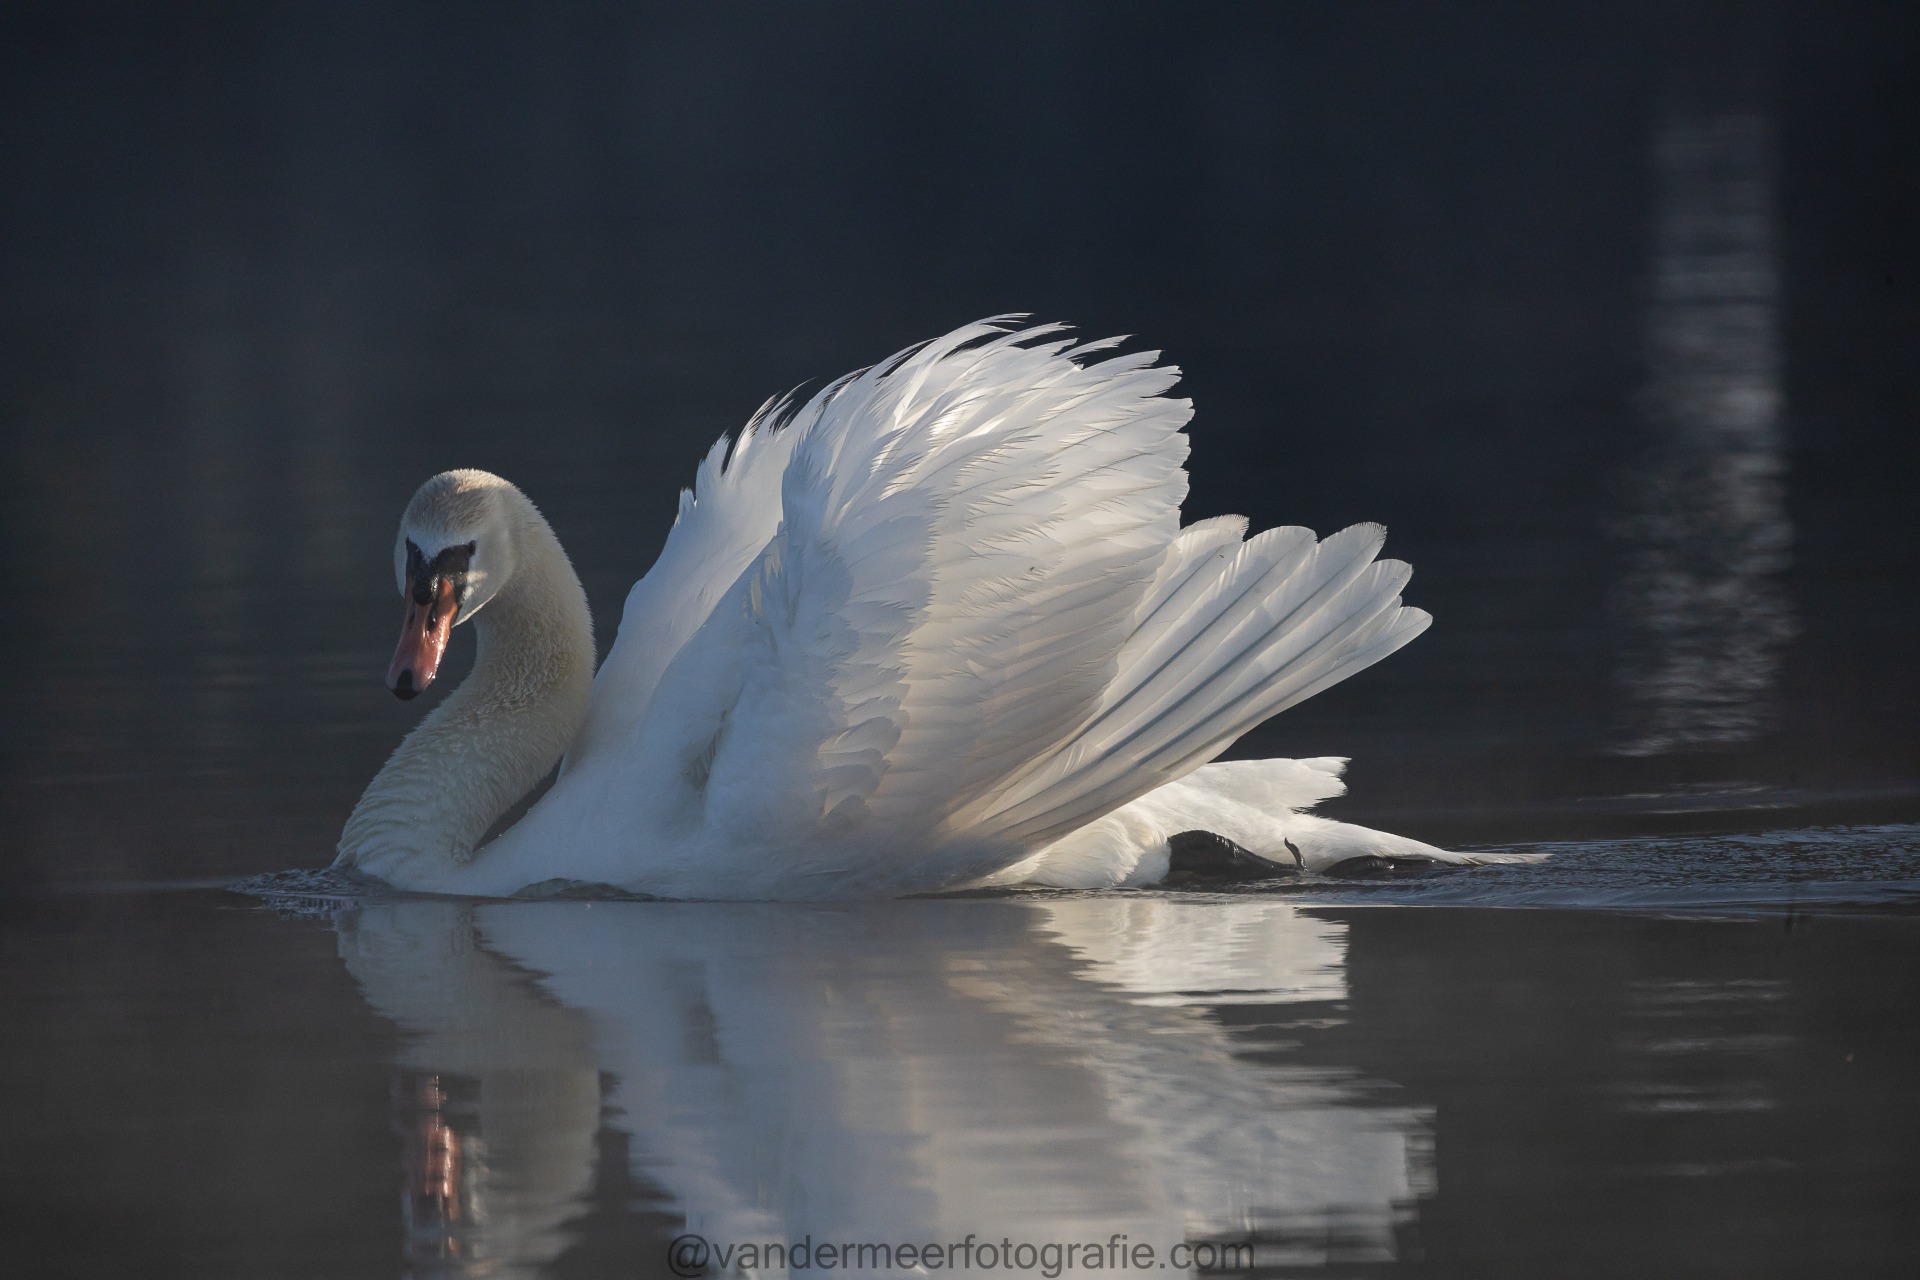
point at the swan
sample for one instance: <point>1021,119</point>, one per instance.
<point>939,627</point>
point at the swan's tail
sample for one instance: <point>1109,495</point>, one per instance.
<point>1255,804</point>
<point>1231,633</point>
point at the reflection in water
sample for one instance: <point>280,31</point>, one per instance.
<point>437,1151</point>
<point>915,1072</point>
<point>1706,530</point>
<point>497,1099</point>
<point>1697,1051</point>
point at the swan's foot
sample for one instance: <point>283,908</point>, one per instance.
<point>1201,859</point>
<point>1198,858</point>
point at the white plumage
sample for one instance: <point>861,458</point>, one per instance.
<point>937,627</point>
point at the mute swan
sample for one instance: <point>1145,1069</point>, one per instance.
<point>939,627</point>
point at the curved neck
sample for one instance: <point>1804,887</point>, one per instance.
<point>494,737</point>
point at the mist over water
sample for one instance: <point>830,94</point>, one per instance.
<point>1606,310</point>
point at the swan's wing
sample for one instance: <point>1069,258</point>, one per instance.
<point>968,533</point>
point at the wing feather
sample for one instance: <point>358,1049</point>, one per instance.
<point>943,613</point>
<point>967,532</point>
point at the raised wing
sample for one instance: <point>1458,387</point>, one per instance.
<point>941,617</point>
<point>967,535</point>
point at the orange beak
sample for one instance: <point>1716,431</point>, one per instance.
<point>423,638</point>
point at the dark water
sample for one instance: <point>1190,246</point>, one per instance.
<point>1609,311</point>
<point>439,1088</point>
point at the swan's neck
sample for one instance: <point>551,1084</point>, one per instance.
<point>494,737</point>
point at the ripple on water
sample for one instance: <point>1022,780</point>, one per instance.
<point>1875,867</point>
<point>1827,867</point>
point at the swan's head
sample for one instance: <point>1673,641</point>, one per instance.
<point>454,553</point>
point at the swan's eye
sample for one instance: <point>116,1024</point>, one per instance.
<point>451,565</point>
<point>424,576</point>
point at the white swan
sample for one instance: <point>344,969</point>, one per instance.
<point>937,628</point>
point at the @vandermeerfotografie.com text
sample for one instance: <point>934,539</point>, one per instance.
<point>692,1255</point>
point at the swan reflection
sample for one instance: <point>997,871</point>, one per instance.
<point>1045,1070</point>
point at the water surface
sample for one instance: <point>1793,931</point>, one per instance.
<point>437,1088</point>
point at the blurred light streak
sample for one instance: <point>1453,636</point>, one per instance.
<point>1704,527</point>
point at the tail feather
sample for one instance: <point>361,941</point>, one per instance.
<point>1255,804</point>
<point>1230,634</point>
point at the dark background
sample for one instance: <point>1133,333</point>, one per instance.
<point>264,268</point>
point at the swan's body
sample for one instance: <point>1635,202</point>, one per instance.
<point>940,629</point>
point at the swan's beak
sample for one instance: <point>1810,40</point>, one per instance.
<point>423,637</point>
